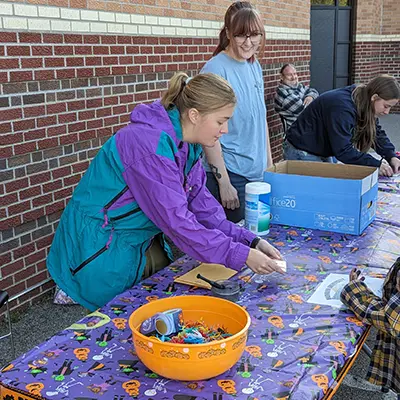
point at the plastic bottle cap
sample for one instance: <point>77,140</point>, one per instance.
<point>258,187</point>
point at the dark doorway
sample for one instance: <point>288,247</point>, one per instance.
<point>331,33</point>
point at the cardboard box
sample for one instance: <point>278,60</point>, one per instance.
<point>332,197</point>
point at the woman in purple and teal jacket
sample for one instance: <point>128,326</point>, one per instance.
<point>148,180</point>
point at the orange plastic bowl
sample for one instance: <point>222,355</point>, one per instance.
<point>192,362</point>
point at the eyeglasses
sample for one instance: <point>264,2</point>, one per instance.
<point>255,38</point>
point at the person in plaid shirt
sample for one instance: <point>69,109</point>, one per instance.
<point>292,97</point>
<point>384,315</point>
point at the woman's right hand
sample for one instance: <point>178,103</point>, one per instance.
<point>229,196</point>
<point>261,264</point>
<point>385,169</point>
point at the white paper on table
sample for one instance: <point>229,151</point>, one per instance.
<point>328,291</point>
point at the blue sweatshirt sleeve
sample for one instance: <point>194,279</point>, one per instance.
<point>154,182</point>
<point>340,124</point>
<point>384,146</point>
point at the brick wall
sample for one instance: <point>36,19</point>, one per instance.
<point>376,47</point>
<point>70,75</point>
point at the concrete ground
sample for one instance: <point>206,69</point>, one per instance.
<point>45,319</point>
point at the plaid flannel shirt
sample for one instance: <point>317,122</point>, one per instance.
<point>383,314</point>
<point>289,101</point>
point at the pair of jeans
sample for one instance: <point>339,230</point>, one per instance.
<point>239,183</point>
<point>293,153</point>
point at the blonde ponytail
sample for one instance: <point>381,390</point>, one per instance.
<point>205,92</point>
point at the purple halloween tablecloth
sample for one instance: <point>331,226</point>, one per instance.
<point>295,349</point>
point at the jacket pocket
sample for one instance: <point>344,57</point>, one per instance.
<point>89,260</point>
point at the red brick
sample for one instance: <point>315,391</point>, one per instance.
<point>110,101</point>
<point>33,215</point>
<point>101,50</point>
<point>42,50</point>
<point>73,38</point>
<point>65,73</point>
<point>18,51</point>
<point>25,274</point>
<point>102,71</point>
<point>35,257</point>
<point>17,185</point>
<point>76,105</point>
<point>19,208</point>
<point>52,186</point>
<point>94,39</point>
<point>47,143</point>
<point>9,63</point>
<point>18,288</point>
<point>84,115</point>
<point>72,180</point>
<point>42,200</point>
<point>10,114</point>
<point>93,61</point>
<point>64,193</point>
<point>7,37</point>
<point>12,268</point>
<point>54,62</point>
<point>94,103</point>
<point>86,135</point>
<point>118,70</point>
<point>20,76</point>
<point>80,167</point>
<point>4,259</point>
<point>9,199</point>
<point>5,284</point>
<point>61,172</point>
<point>79,126</point>
<point>23,125</point>
<point>30,192</point>
<point>56,108</point>
<point>35,134</point>
<point>56,130</point>
<point>24,251</point>
<point>45,75</point>
<point>10,139</point>
<point>96,123</point>
<point>52,208</point>
<point>84,72</point>
<point>40,178</point>
<point>47,121</point>
<point>66,118</point>
<point>84,50</point>
<point>24,148</point>
<point>37,279</point>
<point>63,50</point>
<point>52,38</point>
<point>34,111</point>
<point>133,69</point>
<point>68,139</point>
<point>5,128</point>
<point>6,152</point>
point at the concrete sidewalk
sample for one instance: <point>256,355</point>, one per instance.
<point>45,319</point>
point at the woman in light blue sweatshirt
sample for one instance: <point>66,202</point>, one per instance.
<point>242,156</point>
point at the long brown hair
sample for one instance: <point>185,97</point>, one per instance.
<point>205,92</point>
<point>387,88</point>
<point>240,18</point>
<point>230,12</point>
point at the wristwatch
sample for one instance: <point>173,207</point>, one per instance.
<point>254,242</point>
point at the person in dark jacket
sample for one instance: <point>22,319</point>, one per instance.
<point>343,123</point>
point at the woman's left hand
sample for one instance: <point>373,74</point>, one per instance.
<point>355,275</point>
<point>395,164</point>
<point>269,250</point>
